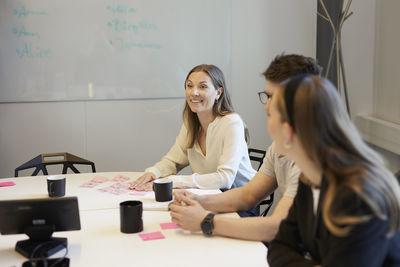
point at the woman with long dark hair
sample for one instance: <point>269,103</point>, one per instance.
<point>347,208</point>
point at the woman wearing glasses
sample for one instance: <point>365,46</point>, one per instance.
<point>347,208</point>
<point>212,139</point>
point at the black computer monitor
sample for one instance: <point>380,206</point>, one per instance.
<point>39,218</point>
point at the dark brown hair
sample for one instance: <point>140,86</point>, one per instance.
<point>286,66</point>
<point>324,128</point>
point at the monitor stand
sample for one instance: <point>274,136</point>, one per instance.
<point>40,243</point>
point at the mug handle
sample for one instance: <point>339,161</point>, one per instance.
<point>153,187</point>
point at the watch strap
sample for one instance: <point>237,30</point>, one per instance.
<point>207,225</point>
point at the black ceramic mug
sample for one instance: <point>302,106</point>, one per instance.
<point>162,189</point>
<point>131,216</point>
<point>56,185</point>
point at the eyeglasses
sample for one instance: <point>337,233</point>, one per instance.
<point>263,96</point>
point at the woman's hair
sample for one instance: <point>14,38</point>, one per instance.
<point>221,107</point>
<point>314,109</point>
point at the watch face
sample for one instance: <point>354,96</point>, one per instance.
<point>207,227</point>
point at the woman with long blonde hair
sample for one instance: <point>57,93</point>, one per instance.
<point>347,208</point>
<point>212,139</point>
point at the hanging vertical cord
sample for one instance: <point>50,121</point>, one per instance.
<point>343,17</point>
<point>337,44</point>
<point>327,17</point>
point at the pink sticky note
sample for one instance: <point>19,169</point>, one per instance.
<point>3,184</point>
<point>170,225</point>
<point>151,236</point>
<point>120,178</point>
<point>99,179</point>
<point>89,184</point>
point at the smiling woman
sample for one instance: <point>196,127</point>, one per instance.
<point>205,86</point>
<point>200,93</point>
<point>212,139</point>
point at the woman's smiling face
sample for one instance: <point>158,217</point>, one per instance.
<point>201,93</point>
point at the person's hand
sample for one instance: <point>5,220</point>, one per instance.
<point>144,182</point>
<point>145,187</point>
<point>187,214</point>
<point>181,192</point>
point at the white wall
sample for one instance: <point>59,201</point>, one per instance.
<point>358,43</point>
<point>362,53</point>
<point>262,30</point>
<point>131,135</point>
<point>387,90</point>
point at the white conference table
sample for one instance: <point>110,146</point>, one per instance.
<point>100,242</point>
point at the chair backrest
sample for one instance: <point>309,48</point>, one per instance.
<point>257,156</point>
<point>66,159</point>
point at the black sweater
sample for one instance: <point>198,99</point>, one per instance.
<point>304,240</point>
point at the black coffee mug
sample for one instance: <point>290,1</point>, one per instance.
<point>162,189</point>
<point>56,185</point>
<point>131,216</point>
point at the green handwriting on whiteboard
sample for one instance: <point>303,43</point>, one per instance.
<point>122,44</point>
<point>121,9</point>
<point>22,32</point>
<point>32,51</point>
<point>22,12</point>
<point>123,26</point>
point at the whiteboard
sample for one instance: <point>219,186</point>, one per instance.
<point>58,50</point>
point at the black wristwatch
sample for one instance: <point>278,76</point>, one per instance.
<point>207,225</point>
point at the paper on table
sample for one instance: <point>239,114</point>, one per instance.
<point>203,191</point>
<point>163,206</point>
<point>95,181</point>
<point>120,178</point>
<point>137,193</point>
<point>158,206</point>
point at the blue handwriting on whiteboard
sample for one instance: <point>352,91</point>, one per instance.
<point>125,45</point>
<point>23,32</point>
<point>123,26</point>
<point>31,51</point>
<point>147,26</point>
<point>22,12</point>
<point>121,9</point>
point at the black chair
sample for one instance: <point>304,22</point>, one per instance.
<point>258,156</point>
<point>66,159</point>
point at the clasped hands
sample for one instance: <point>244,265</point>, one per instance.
<point>186,211</point>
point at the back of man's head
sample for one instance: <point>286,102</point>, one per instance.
<point>286,66</point>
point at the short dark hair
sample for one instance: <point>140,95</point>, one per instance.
<point>286,66</point>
